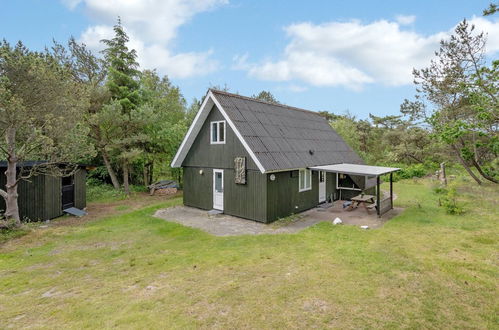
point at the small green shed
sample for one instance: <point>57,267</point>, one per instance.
<point>45,197</point>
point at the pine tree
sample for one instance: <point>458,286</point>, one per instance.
<point>124,87</point>
<point>123,70</point>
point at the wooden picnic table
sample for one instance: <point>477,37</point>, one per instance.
<point>363,199</point>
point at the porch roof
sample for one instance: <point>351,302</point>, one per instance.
<point>356,169</point>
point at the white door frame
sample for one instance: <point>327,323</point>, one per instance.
<point>323,184</point>
<point>218,197</point>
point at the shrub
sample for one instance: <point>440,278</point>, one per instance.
<point>98,192</point>
<point>440,190</point>
<point>411,171</point>
<point>99,174</point>
<point>449,202</point>
<point>102,192</point>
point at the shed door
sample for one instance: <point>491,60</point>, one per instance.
<point>218,190</point>
<point>68,192</point>
<point>322,186</point>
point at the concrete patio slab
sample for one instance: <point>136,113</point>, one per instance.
<point>226,225</point>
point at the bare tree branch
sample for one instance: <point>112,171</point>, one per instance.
<point>3,193</point>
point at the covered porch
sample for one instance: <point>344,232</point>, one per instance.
<point>371,175</point>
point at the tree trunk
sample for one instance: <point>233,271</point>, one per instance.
<point>442,175</point>
<point>126,186</point>
<point>475,150</point>
<point>151,171</point>
<point>110,171</point>
<point>482,173</point>
<point>10,195</point>
<point>466,167</point>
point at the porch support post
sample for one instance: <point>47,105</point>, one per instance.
<point>378,193</point>
<point>391,190</point>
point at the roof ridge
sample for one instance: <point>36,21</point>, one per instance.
<point>264,102</point>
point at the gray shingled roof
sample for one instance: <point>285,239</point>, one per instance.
<point>282,137</point>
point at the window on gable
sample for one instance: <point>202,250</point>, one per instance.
<point>305,180</point>
<point>218,132</point>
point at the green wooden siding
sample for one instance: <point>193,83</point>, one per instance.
<point>80,178</point>
<point>40,197</point>
<point>283,197</point>
<point>52,195</point>
<point>203,154</point>
<point>198,188</point>
<point>331,186</point>
<point>260,199</point>
<point>30,199</point>
<point>246,200</point>
<point>346,194</point>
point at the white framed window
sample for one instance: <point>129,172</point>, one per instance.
<point>305,180</point>
<point>217,132</point>
<point>343,181</point>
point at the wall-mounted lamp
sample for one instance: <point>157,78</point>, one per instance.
<point>272,177</point>
<point>201,172</point>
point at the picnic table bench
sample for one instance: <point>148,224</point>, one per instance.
<point>363,199</point>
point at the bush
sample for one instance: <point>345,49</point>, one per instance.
<point>411,171</point>
<point>440,190</point>
<point>448,200</point>
<point>102,192</point>
<point>98,192</point>
<point>99,174</point>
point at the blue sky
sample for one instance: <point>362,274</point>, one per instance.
<point>318,55</point>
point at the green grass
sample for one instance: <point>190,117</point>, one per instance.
<point>105,193</point>
<point>423,269</point>
<point>8,234</point>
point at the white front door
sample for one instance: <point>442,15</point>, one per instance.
<point>322,186</point>
<point>218,190</point>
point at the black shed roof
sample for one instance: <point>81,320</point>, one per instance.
<point>31,163</point>
<point>278,137</point>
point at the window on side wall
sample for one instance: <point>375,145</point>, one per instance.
<point>344,181</point>
<point>217,132</point>
<point>305,180</point>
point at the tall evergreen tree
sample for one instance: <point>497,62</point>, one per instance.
<point>124,87</point>
<point>267,97</point>
<point>123,70</point>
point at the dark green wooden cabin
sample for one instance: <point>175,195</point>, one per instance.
<point>45,197</point>
<point>253,159</point>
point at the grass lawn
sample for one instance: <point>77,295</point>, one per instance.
<point>423,269</point>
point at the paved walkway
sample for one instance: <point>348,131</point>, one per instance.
<point>226,225</point>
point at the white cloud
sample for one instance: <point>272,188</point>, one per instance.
<point>492,30</point>
<point>94,34</point>
<point>71,4</point>
<point>353,54</point>
<point>152,26</point>
<point>297,89</point>
<point>405,19</point>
